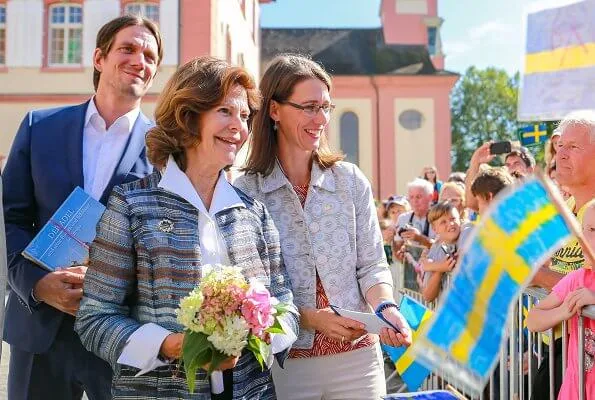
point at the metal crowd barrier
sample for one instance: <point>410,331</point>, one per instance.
<point>520,356</point>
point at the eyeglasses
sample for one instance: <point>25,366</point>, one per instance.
<point>311,110</point>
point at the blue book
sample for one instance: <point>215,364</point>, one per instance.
<point>64,240</point>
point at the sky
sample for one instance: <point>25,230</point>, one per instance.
<point>475,32</point>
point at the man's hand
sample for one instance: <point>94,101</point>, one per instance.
<point>411,234</point>
<point>62,289</point>
<point>482,155</point>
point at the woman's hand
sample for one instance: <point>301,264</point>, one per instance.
<point>391,337</point>
<point>338,328</point>
<point>171,347</point>
<point>576,300</point>
<point>228,363</point>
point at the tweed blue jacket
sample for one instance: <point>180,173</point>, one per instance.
<point>138,273</point>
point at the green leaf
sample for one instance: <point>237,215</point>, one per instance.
<point>281,308</point>
<point>190,377</point>
<point>255,346</point>
<point>275,328</point>
<point>195,349</point>
<point>203,358</point>
<point>216,360</point>
<point>194,344</point>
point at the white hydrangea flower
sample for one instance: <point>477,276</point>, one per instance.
<point>232,339</point>
<point>188,311</point>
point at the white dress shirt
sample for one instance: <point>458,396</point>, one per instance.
<point>103,148</point>
<point>142,348</point>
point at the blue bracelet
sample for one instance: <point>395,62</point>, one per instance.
<point>384,305</point>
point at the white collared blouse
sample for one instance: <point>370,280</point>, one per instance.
<point>336,233</point>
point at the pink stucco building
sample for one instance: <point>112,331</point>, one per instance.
<point>390,88</point>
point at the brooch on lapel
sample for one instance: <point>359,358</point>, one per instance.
<point>165,225</point>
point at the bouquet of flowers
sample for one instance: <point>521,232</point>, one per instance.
<point>224,315</point>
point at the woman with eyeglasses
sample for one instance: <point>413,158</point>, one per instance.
<point>330,238</point>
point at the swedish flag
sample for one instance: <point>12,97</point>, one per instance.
<point>412,372</point>
<point>532,135</point>
<point>522,230</point>
<point>431,395</point>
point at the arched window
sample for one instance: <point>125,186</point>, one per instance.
<point>349,137</point>
<point>144,9</point>
<point>65,22</point>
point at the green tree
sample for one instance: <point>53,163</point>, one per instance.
<point>484,104</point>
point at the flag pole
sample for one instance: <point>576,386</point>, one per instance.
<point>569,218</point>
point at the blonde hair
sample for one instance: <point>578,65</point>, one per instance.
<point>440,209</point>
<point>196,87</point>
<point>457,187</point>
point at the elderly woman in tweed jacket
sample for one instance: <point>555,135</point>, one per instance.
<point>158,232</point>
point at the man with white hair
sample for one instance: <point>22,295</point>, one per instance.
<point>414,231</point>
<point>574,166</point>
<point>574,170</point>
<point>413,225</point>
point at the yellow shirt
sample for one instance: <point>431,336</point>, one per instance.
<point>570,257</point>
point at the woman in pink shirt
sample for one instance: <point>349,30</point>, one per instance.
<point>568,297</point>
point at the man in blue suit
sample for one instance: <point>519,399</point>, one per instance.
<point>94,145</point>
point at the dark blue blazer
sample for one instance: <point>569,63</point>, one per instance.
<point>44,166</point>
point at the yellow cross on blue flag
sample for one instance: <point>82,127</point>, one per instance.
<point>463,338</point>
<point>532,135</point>
<point>412,372</point>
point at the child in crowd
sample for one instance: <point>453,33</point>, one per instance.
<point>487,184</point>
<point>568,297</point>
<point>442,256</point>
<point>395,206</point>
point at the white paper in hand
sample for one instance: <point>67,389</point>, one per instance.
<point>371,321</point>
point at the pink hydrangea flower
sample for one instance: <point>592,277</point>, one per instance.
<point>257,309</point>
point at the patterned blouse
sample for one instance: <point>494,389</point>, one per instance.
<point>331,243</point>
<point>323,345</point>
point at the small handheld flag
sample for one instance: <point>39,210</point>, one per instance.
<point>412,372</point>
<point>521,231</point>
<point>431,395</point>
<point>533,135</point>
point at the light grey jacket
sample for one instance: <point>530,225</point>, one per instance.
<point>336,234</point>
